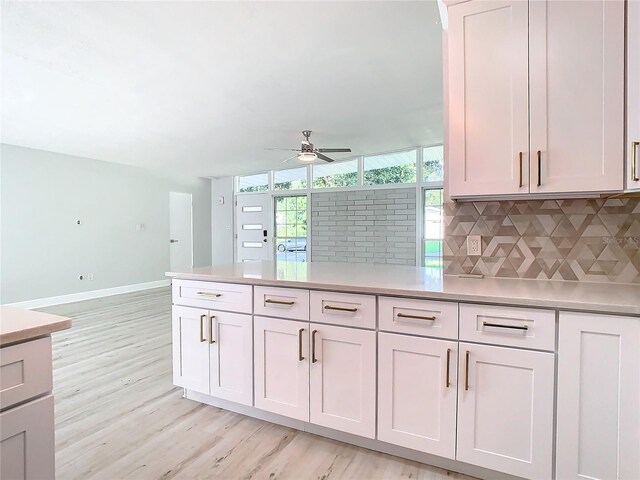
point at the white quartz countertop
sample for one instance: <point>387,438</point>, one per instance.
<point>426,283</point>
<point>17,325</point>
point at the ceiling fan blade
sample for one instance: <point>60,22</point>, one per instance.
<point>285,149</point>
<point>333,150</point>
<point>290,158</point>
<point>324,157</point>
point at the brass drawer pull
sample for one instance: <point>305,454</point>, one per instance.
<point>466,370</point>
<point>210,294</point>
<point>539,168</point>
<point>417,317</point>
<point>300,357</point>
<point>634,161</point>
<point>520,174</point>
<point>313,346</point>
<point>512,327</point>
<point>341,309</point>
<point>202,339</point>
<point>447,383</point>
<point>211,340</point>
<point>279,302</point>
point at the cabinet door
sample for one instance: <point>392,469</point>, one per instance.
<point>505,410</point>
<point>190,348</point>
<point>488,98</point>
<point>231,356</point>
<point>417,393</point>
<point>577,95</point>
<point>633,95</point>
<point>598,397</point>
<point>27,441</point>
<point>343,379</point>
<point>281,366</point>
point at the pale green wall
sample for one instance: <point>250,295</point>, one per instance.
<point>42,250</point>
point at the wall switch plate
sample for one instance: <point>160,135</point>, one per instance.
<point>474,245</point>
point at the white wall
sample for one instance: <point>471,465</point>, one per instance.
<point>42,250</point>
<point>222,232</point>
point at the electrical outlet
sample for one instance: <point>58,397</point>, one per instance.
<point>474,245</point>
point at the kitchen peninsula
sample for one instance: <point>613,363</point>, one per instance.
<point>474,375</point>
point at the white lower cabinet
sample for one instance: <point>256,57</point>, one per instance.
<point>212,353</point>
<point>505,410</point>
<point>281,352</point>
<point>417,379</point>
<point>343,379</point>
<point>598,434</point>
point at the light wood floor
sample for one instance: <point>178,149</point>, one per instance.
<point>119,416</point>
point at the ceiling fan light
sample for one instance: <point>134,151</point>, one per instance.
<point>307,157</point>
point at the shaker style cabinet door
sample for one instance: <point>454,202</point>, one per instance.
<point>577,95</point>
<point>417,380</point>
<point>488,98</point>
<point>281,366</point>
<point>505,410</point>
<point>598,431</point>
<point>189,332</point>
<point>633,95</point>
<point>343,379</point>
<point>231,356</point>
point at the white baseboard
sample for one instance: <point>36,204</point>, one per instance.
<point>77,297</point>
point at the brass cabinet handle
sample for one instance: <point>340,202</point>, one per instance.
<point>211,340</point>
<point>300,357</point>
<point>417,317</point>
<point>513,327</point>
<point>634,162</point>
<point>447,383</point>
<point>520,174</point>
<point>202,339</point>
<point>210,294</point>
<point>341,309</point>
<point>313,346</point>
<point>539,168</point>
<point>279,302</point>
<point>466,370</point>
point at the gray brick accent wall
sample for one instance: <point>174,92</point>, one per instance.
<point>372,226</point>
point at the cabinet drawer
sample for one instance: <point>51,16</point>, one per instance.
<point>281,302</point>
<point>216,296</point>
<point>25,371</point>
<point>511,326</point>
<point>419,317</point>
<point>348,309</point>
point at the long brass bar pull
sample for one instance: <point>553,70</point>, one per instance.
<point>447,383</point>
<point>513,327</point>
<point>279,302</point>
<point>202,337</point>
<point>417,317</point>
<point>634,161</point>
<point>211,339</point>
<point>210,294</point>
<point>520,174</point>
<point>313,346</point>
<point>539,168</point>
<point>466,370</point>
<point>300,357</point>
<point>341,309</point>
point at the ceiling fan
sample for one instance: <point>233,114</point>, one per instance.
<point>308,153</point>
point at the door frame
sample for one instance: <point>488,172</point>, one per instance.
<point>190,222</point>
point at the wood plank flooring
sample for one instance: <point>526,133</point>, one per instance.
<point>119,416</point>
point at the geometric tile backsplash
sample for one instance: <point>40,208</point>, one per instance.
<point>594,240</point>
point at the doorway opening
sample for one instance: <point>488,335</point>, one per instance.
<point>291,228</point>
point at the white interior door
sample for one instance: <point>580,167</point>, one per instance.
<point>180,231</point>
<point>253,227</point>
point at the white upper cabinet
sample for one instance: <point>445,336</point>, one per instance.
<point>536,97</point>
<point>633,95</point>
<point>488,98</point>
<point>577,95</point>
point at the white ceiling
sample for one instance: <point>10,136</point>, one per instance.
<point>201,88</point>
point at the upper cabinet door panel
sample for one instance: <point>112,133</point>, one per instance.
<point>488,98</point>
<point>577,95</point>
<point>633,95</point>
